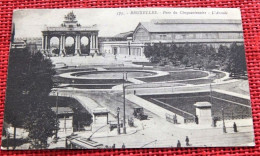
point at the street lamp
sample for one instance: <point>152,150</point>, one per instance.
<point>210,93</point>
<point>73,85</point>
<point>124,87</point>
<point>118,124</point>
<point>224,127</point>
<point>57,96</point>
<point>129,39</point>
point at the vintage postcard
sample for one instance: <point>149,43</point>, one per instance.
<point>127,78</point>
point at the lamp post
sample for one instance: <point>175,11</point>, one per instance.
<point>224,127</point>
<point>124,87</point>
<point>118,124</point>
<point>129,39</point>
<point>210,93</point>
<point>73,82</point>
<point>57,96</point>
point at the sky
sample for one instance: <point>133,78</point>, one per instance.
<point>110,21</point>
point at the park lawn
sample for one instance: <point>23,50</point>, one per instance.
<point>184,75</point>
<point>185,102</point>
<point>197,82</point>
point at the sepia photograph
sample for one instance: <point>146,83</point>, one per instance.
<point>120,78</point>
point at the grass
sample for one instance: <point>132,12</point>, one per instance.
<point>197,82</point>
<point>144,63</point>
<point>186,103</point>
<point>94,86</point>
<point>59,80</point>
<point>176,76</point>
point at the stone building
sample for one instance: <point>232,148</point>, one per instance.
<point>179,31</point>
<point>182,31</point>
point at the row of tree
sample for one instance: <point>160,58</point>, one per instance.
<point>70,50</point>
<point>231,59</point>
<point>28,86</point>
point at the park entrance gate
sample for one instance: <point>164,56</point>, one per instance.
<point>70,28</point>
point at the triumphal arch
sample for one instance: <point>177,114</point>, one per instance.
<point>70,28</point>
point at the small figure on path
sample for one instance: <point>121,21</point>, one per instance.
<point>187,140</point>
<point>123,146</point>
<point>179,143</point>
<point>175,119</point>
<point>114,146</point>
<point>235,127</point>
<point>196,119</point>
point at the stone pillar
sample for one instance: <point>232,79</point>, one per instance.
<point>62,45</point>
<point>48,44</point>
<point>96,42</point>
<point>77,45</point>
<point>43,42</point>
<point>203,112</point>
<point>92,50</point>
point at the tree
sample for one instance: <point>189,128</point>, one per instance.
<point>237,61</point>
<point>56,51</point>
<point>41,124</point>
<point>85,49</point>
<point>70,50</point>
<point>29,84</point>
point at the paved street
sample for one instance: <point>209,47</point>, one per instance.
<point>157,132</point>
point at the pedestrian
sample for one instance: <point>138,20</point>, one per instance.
<point>187,140</point>
<point>196,119</point>
<point>175,119</point>
<point>179,143</point>
<point>123,146</point>
<point>235,127</point>
<point>114,146</point>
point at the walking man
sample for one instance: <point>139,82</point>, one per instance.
<point>175,119</point>
<point>179,143</point>
<point>123,146</point>
<point>187,141</point>
<point>235,127</point>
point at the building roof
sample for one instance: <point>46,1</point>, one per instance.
<point>100,110</point>
<point>193,21</point>
<point>202,104</point>
<point>125,34</point>
<point>192,25</point>
<point>63,110</point>
<point>79,28</point>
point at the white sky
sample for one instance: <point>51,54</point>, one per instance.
<point>30,22</point>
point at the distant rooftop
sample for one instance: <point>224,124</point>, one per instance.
<point>125,34</point>
<point>63,110</point>
<point>192,25</point>
<point>202,104</point>
<point>193,21</point>
<point>100,110</point>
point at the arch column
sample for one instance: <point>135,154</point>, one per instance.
<point>62,42</point>
<point>48,44</point>
<point>92,51</point>
<point>43,43</point>
<point>77,45</point>
<point>93,44</point>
